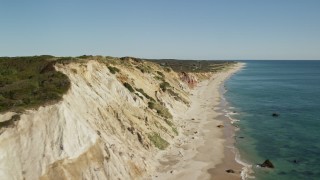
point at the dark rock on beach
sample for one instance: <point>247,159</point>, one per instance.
<point>230,171</point>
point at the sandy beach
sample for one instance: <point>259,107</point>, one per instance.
<point>202,150</point>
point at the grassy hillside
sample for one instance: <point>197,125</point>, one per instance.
<point>27,82</point>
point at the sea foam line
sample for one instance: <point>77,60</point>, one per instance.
<point>247,170</point>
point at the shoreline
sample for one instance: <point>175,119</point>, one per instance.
<point>200,152</point>
<point>230,160</point>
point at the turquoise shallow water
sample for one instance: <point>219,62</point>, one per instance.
<point>292,89</point>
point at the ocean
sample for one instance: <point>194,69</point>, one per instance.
<point>290,141</point>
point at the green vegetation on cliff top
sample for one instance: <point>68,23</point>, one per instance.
<point>29,82</point>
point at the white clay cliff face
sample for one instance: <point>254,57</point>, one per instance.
<point>98,131</point>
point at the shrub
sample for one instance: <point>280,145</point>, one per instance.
<point>161,110</point>
<point>159,78</point>
<point>128,86</point>
<point>169,122</point>
<point>74,70</point>
<point>145,94</point>
<point>160,73</point>
<point>65,59</point>
<point>177,96</point>
<point>175,130</point>
<point>151,105</point>
<point>139,96</point>
<point>113,70</point>
<point>158,141</point>
<point>85,56</point>
<point>29,82</point>
<point>144,68</point>
<point>141,69</point>
<point>167,69</point>
<point>164,85</point>
<point>6,124</point>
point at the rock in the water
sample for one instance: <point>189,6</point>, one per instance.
<point>267,164</point>
<point>220,126</point>
<point>282,173</point>
<point>230,171</point>
<point>275,114</point>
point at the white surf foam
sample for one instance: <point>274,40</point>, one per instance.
<point>247,171</point>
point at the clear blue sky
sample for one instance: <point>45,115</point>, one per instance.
<point>185,29</point>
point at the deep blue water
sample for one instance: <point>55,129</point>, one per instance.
<point>292,89</point>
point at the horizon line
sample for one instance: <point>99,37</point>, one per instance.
<point>172,58</point>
